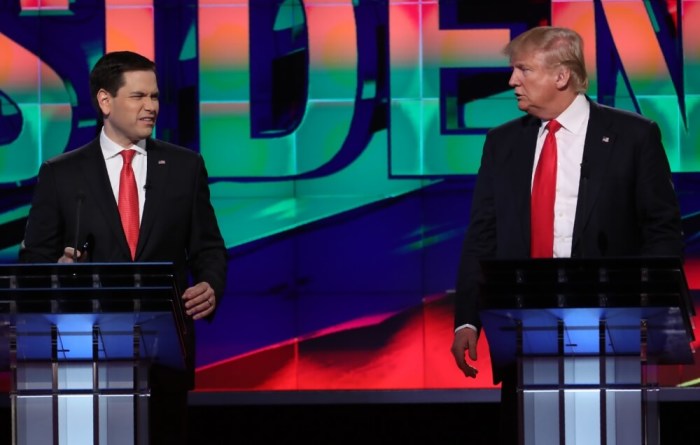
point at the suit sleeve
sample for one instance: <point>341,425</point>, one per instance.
<point>43,236</point>
<point>479,242</point>
<point>658,210</point>
<point>206,252</point>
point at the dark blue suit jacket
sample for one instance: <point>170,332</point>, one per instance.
<point>626,202</point>
<point>178,223</point>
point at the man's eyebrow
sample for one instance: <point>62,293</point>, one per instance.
<point>143,93</point>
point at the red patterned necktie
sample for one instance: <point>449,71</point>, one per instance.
<point>542,198</point>
<point>129,201</point>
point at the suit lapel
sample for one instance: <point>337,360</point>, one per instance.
<point>95,172</point>
<point>156,184</point>
<point>525,149</point>
<point>600,140</point>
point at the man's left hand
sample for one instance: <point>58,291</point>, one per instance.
<point>200,300</point>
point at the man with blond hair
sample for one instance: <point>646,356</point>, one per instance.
<point>571,178</point>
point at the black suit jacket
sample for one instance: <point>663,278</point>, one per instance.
<point>626,202</point>
<point>178,223</point>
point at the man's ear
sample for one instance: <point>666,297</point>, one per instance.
<point>563,78</point>
<point>104,101</point>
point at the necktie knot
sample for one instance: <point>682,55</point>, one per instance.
<point>128,156</point>
<point>553,126</point>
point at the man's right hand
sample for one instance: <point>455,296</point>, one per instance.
<point>70,255</point>
<point>465,340</point>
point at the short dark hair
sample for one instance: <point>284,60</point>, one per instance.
<point>108,73</point>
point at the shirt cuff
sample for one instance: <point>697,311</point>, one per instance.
<point>466,325</point>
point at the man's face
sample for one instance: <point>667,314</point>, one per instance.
<point>535,84</point>
<point>130,115</point>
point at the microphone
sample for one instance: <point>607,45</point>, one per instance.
<point>79,198</point>
<point>147,185</point>
<point>585,169</point>
<point>88,245</point>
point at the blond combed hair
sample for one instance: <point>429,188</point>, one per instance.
<point>560,46</point>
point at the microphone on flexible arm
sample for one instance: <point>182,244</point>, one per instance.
<point>88,245</point>
<point>79,198</point>
<point>585,171</point>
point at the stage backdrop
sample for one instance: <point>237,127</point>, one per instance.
<point>342,138</point>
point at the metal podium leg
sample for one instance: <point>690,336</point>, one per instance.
<point>118,399</point>
<point>31,396</point>
<point>540,396</point>
<point>12,334</point>
<point>650,404</point>
<point>95,386</point>
<point>73,396</point>
<point>54,384</point>
<point>140,391</point>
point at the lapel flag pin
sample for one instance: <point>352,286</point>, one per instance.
<point>162,161</point>
<point>606,139</point>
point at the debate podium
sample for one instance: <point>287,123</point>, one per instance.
<point>585,337</point>
<point>79,340</point>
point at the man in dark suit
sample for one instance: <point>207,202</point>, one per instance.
<point>135,199</point>
<point>612,197</point>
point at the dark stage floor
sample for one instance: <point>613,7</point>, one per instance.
<point>422,423</point>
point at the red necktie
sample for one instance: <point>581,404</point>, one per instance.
<point>542,198</point>
<point>129,202</point>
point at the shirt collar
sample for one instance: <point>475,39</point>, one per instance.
<point>575,116</point>
<point>111,149</point>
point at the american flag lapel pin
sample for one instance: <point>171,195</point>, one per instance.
<point>161,162</point>
<point>606,139</point>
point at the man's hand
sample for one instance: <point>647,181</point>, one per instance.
<point>465,340</point>
<point>200,300</point>
<point>70,255</point>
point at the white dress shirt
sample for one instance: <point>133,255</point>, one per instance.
<point>114,161</point>
<point>570,140</point>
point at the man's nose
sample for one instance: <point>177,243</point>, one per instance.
<point>513,81</point>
